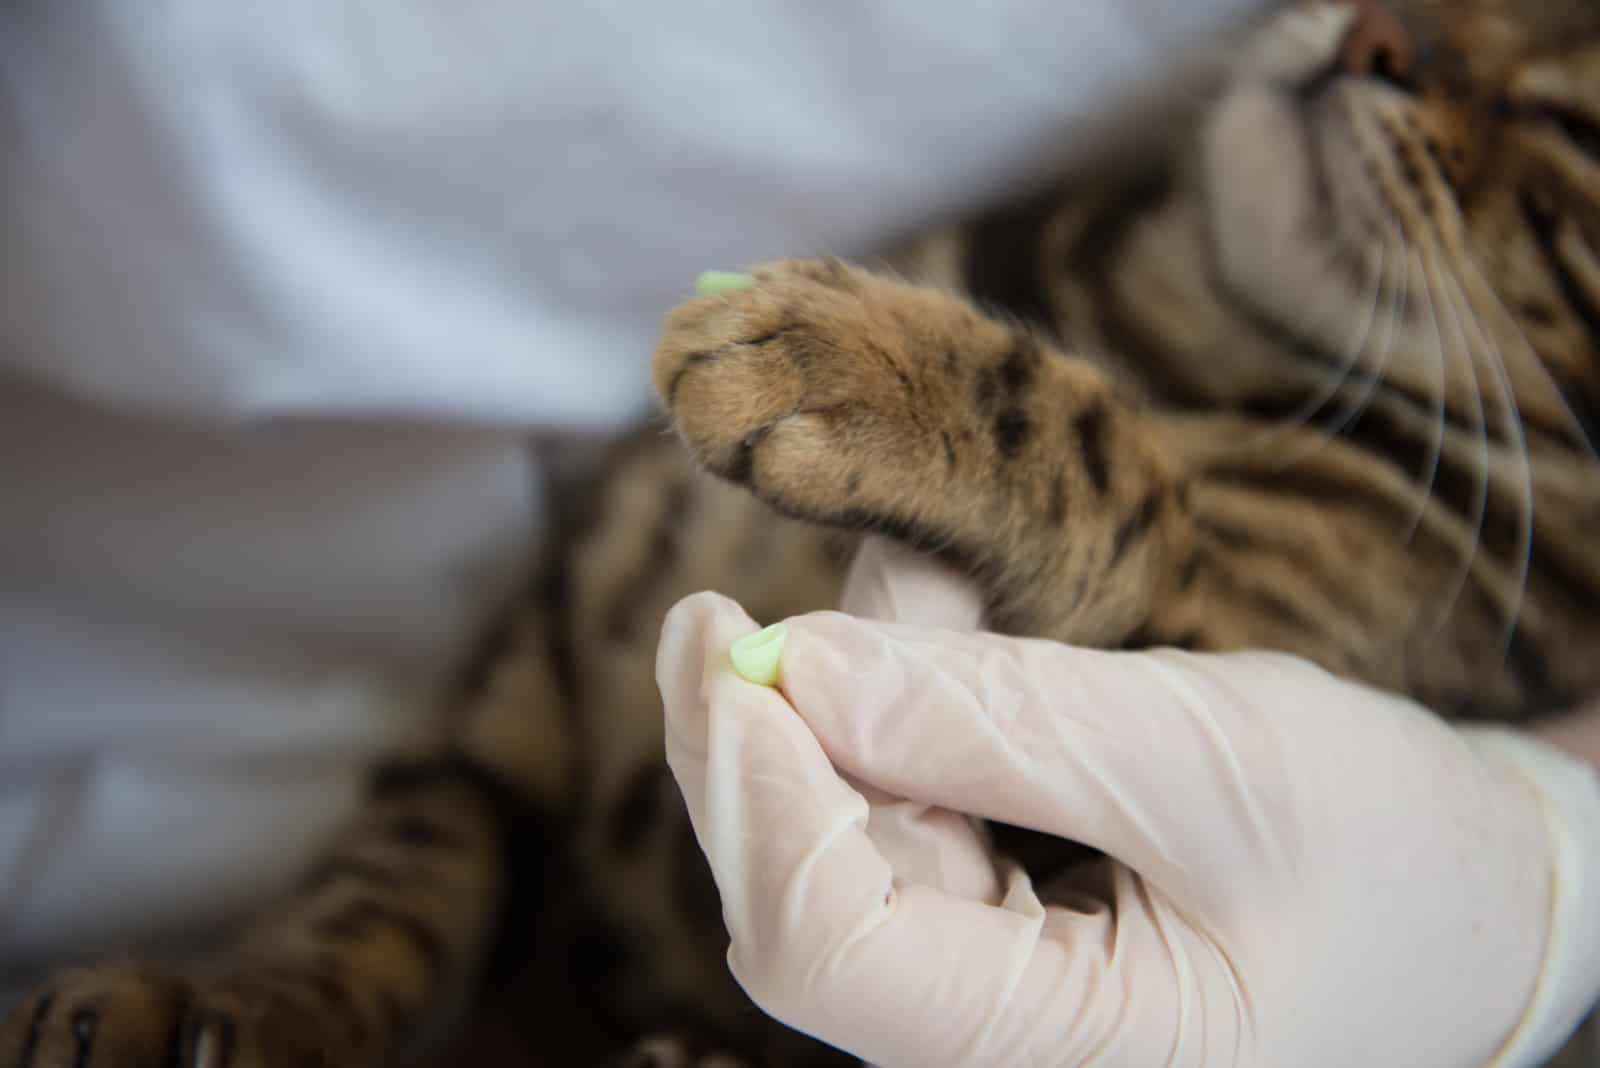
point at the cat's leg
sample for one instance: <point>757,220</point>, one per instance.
<point>855,400</point>
<point>859,401</point>
<point>338,977</point>
<point>386,937</point>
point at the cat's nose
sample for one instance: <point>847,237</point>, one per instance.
<point>1378,44</point>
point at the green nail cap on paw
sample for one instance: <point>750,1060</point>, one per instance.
<point>715,283</point>
<point>755,656</point>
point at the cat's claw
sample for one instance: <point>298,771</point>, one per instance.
<point>139,1018</point>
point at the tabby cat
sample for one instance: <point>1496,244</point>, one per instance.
<point>1324,378</point>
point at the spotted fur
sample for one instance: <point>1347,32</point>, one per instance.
<point>1325,378</point>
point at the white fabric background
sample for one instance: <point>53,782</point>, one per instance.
<point>284,287</point>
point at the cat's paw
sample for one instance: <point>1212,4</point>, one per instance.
<point>858,401</point>
<point>137,1018</point>
<point>832,392</point>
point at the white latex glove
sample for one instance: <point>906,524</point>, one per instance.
<point>1307,873</point>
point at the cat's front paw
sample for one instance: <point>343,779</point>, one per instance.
<point>832,392</point>
<point>137,1018</point>
<point>858,401</point>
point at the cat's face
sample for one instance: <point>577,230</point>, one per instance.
<point>1414,190</point>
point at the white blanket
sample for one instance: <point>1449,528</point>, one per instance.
<point>282,294</point>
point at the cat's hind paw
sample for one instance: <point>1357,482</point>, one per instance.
<point>138,1018</point>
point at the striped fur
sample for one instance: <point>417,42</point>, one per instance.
<point>1324,380</point>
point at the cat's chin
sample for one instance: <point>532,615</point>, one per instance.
<point>1267,203</point>
<point>1286,208</point>
<point>1272,200</point>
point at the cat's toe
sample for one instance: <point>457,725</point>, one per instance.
<point>732,365</point>
<point>138,1018</point>
<point>827,390</point>
<point>101,1018</point>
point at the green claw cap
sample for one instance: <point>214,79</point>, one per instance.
<point>715,283</point>
<point>755,656</point>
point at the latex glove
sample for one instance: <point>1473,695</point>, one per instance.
<point>1307,873</point>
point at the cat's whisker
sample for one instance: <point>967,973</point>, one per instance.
<point>1517,433</point>
<point>1306,413</point>
<point>1531,355</point>
<point>1326,302</point>
<point>1390,234</point>
<point>885,266</point>
<point>1350,359</point>
<point>1436,447</point>
<point>1525,500</point>
<point>1312,321</point>
<point>1350,413</point>
<point>1373,377</point>
<point>1450,302</point>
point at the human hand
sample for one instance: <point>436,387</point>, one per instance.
<point>1305,872</point>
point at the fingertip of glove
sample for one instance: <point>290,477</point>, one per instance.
<point>696,605</point>
<point>700,615</point>
<point>692,627</point>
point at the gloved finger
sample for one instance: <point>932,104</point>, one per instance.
<point>890,582</point>
<point>1138,755</point>
<point>827,939</point>
<point>935,845</point>
<point>923,843</point>
<point>930,845</point>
